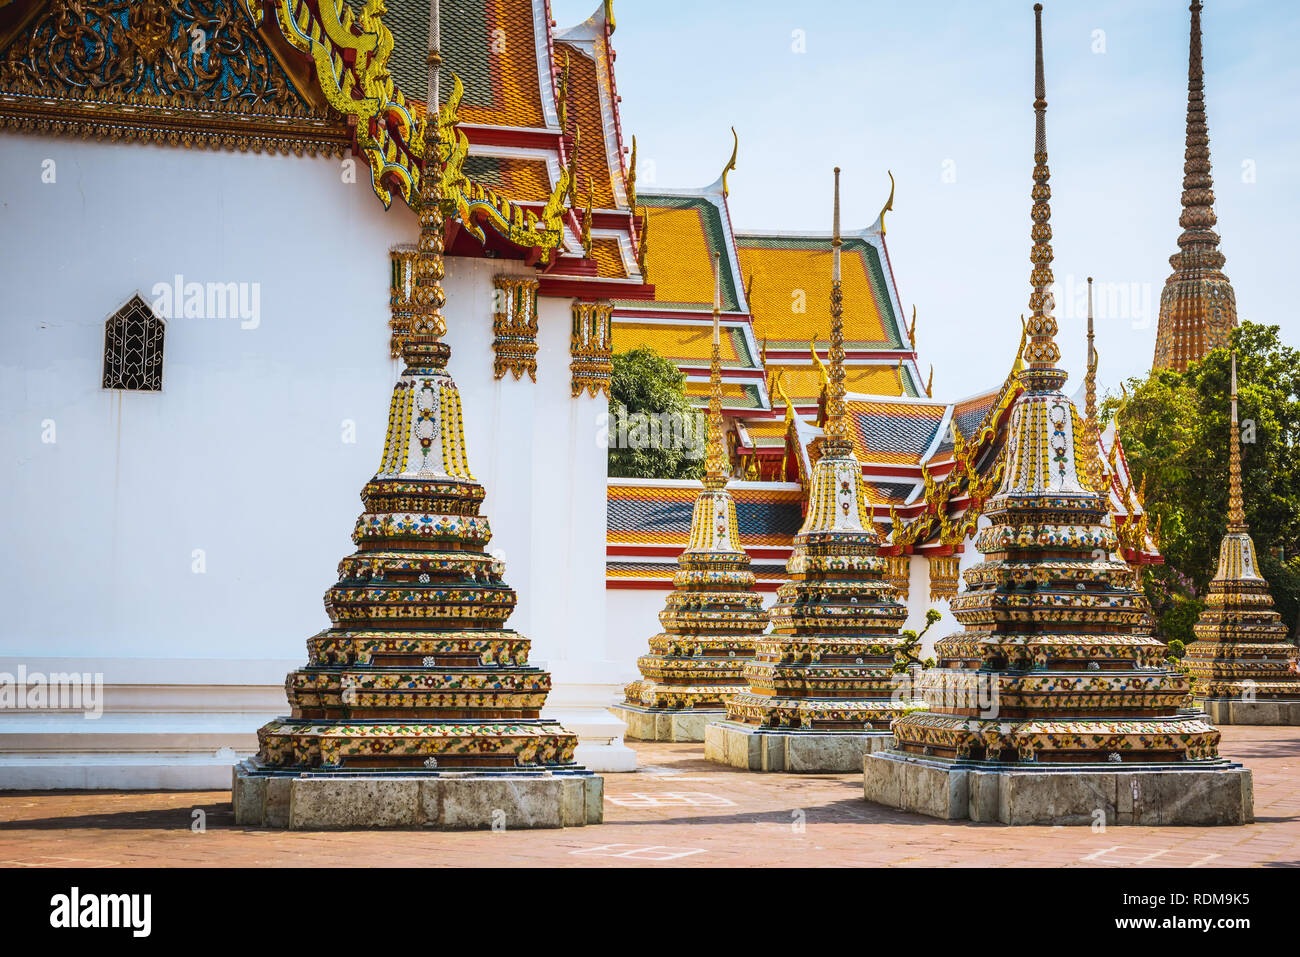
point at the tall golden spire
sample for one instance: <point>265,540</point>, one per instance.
<point>1197,219</point>
<point>1041,353</point>
<point>1197,306</point>
<point>1092,428</point>
<point>427,323</point>
<point>715,463</point>
<point>837,427</point>
<point>1236,511</point>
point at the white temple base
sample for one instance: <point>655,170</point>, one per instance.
<point>752,749</point>
<point>1259,711</point>
<point>179,724</point>
<point>658,724</point>
<point>600,738</point>
<point>1072,796</point>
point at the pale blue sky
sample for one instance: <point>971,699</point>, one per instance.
<point>923,87</point>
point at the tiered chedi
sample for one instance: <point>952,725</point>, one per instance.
<point>827,667</point>
<point>713,615</point>
<point>1243,668</point>
<point>1055,679</point>
<point>418,675</point>
<point>1197,307</point>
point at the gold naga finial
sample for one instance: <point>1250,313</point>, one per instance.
<point>1236,509</point>
<point>645,242</point>
<point>1043,353</point>
<point>929,385</point>
<point>911,333</point>
<point>837,426</point>
<point>573,167</point>
<point>563,95</point>
<point>822,371</point>
<point>609,15</point>
<point>1019,364</point>
<point>715,469</point>
<point>631,176</point>
<point>785,396</point>
<point>762,350</point>
<point>586,222</point>
<point>889,203</point>
<point>731,163</point>
<point>749,296</point>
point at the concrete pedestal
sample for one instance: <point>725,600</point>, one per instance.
<point>446,802</point>
<point>753,749</point>
<point>651,724</point>
<point>1259,711</point>
<point>1169,795</point>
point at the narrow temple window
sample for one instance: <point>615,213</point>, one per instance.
<point>133,348</point>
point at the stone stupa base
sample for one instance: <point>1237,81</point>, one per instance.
<point>1259,711</point>
<point>450,801</point>
<point>662,724</point>
<point>766,749</point>
<point>1221,794</point>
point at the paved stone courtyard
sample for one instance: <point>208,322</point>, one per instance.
<point>678,810</point>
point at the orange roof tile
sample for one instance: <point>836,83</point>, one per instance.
<point>684,343</point>
<point>585,114</point>
<point>491,46</point>
<point>896,433</point>
<point>661,515</point>
<point>790,297</point>
<point>680,257</point>
<point>523,180</point>
<point>735,395</point>
<point>804,385</point>
<point>609,259</point>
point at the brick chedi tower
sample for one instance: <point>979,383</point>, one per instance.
<point>1197,307</point>
<point>418,708</point>
<point>821,690</point>
<point>1242,665</point>
<point>713,615</point>
<point>1054,705</point>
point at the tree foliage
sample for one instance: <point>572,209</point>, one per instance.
<point>654,430</point>
<point>1175,429</point>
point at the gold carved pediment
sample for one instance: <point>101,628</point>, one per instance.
<point>185,72</point>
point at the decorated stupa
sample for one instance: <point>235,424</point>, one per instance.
<point>713,616</point>
<point>1055,705</point>
<point>418,707</point>
<point>821,686</point>
<point>1243,667</point>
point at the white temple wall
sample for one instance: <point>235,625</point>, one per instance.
<point>631,618</point>
<point>179,543</point>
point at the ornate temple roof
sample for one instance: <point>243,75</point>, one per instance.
<point>790,274</point>
<point>649,523</point>
<point>331,76</point>
<point>689,231</point>
<point>896,431</point>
